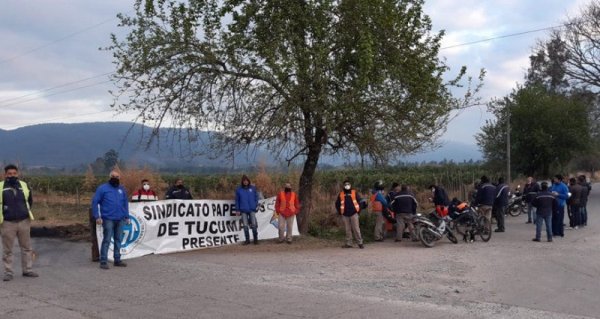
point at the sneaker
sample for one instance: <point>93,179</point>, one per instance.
<point>498,230</point>
<point>576,227</point>
<point>8,277</point>
<point>536,239</point>
<point>361,246</point>
<point>121,264</point>
<point>346,246</point>
<point>397,240</point>
<point>528,222</point>
<point>280,241</point>
<point>247,242</point>
<point>104,266</point>
<point>256,242</point>
<point>30,274</point>
<point>379,240</point>
<point>550,240</point>
<point>289,242</point>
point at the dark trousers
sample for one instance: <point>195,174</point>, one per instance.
<point>575,216</point>
<point>94,238</point>
<point>558,219</point>
<point>583,215</point>
<point>498,212</point>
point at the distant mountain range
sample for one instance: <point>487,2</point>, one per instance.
<point>76,145</point>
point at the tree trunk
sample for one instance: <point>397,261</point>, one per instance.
<point>306,186</point>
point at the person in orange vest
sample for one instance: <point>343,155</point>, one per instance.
<point>348,204</point>
<point>286,206</point>
<point>378,206</point>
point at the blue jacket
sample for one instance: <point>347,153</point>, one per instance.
<point>563,193</point>
<point>246,199</point>
<point>486,194</point>
<point>113,202</point>
<point>501,195</point>
<point>545,203</point>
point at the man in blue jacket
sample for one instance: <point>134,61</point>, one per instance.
<point>545,204</point>
<point>500,204</point>
<point>561,192</point>
<point>486,195</point>
<point>246,204</point>
<point>110,207</point>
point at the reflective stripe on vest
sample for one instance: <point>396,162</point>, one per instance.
<point>25,194</point>
<point>343,201</point>
<point>285,203</point>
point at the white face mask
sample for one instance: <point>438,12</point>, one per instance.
<point>146,187</point>
<point>347,187</point>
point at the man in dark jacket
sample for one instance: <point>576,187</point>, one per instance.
<point>585,193</point>
<point>110,207</point>
<point>545,204</point>
<point>348,204</point>
<point>440,200</point>
<point>404,206</point>
<point>529,193</point>
<point>178,191</point>
<point>576,191</point>
<point>246,204</point>
<point>500,204</point>
<point>486,194</point>
<point>15,221</point>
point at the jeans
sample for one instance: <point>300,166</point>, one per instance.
<point>584,215</point>
<point>558,219</point>
<point>250,218</point>
<point>576,213</point>
<point>531,213</point>
<point>111,230</point>
<point>538,226</point>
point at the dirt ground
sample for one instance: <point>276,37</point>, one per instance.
<point>508,277</point>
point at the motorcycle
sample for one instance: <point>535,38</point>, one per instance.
<point>516,203</point>
<point>432,228</point>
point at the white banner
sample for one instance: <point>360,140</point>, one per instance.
<point>168,226</point>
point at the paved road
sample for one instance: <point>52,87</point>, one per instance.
<point>509,277</point>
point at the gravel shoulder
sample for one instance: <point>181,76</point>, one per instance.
<point>509,277</point>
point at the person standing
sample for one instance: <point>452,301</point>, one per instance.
<point>530,192</point>
<point>545,204</point>
<point>486,194</point>
<point>585,193</point>
<point>404,206</point>
<point>500,204</point>
<point>178,191</point>
<point>144,194</point>
<point>246,204</point>
<point>574,201</point>
<point>287,206</point>
<point>440,200</point>
<point>110,207</point>
<point>561,192</point>
<point>378,205</point>
<point>348,205</point>
<point>15,221</point>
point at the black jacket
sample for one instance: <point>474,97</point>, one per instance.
<point>530,191</point>
<point>501,199</point>
<point>440,197</point>
<point>576,195</point>
<point>486,194</point>
<point>545,203</point>
<point>404,203</point>
<point>13,202</point>
<point>585,193</point>
<point>178,193</point>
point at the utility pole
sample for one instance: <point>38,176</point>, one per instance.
<point>508,177</point>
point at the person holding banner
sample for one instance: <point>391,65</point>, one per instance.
<point>246,204</point>
<point>110,207</point>
<point>144,194</point>
<point>286,206</point>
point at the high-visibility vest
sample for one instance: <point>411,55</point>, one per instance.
<point>343,201</point>
<point>287,204</point>
<point>376,205</point>
<point>26,192</point>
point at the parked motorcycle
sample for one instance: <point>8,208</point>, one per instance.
<point>516,203</point>
<point>431,228</point>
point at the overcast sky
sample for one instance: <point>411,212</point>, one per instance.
<point>52,71</point>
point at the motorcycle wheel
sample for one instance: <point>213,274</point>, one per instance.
<point>426,236</point>
<point>484,228</point>
<point>451,236</point>
<point>515,210</point>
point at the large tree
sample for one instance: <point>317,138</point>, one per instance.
<point>302,77</point>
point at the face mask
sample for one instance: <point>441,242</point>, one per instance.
<point>287,190</point>
<point>179,186</point>
<point>347,187</point>
<point>12,180</point>
<point>114,181</point>
<point>146,187</point>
